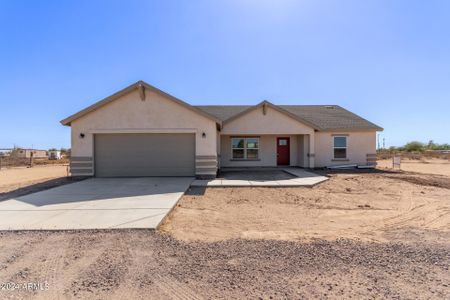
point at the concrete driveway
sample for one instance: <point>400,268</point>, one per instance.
<point>96,203</point>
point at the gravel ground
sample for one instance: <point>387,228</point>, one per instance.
<point>141,264</point>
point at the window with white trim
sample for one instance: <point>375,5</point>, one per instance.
<point>245,148</point>
<point>340,147</point>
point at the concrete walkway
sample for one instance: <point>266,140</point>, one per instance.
<point>96,203</point>
<point>301,178</point>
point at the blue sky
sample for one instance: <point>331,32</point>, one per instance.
<point>388,61</point>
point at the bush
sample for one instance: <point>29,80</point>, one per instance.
<point>414,147</point>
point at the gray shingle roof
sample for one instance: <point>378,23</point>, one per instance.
<point>324,117</point>
<point>223,112</point>
<point>320,117</point>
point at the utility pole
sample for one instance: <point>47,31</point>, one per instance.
<point>384,145</point>
<point>378,141</point>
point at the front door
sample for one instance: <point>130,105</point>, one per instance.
<point>283,151</point>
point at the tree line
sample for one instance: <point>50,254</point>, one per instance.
<point>416,146</point>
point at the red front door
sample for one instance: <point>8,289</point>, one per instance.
<point>283,151</point>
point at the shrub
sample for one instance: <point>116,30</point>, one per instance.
<point>414,146</point>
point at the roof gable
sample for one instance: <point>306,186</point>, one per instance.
<point>265,119</point>
<point>264,104</point>
<point>141,86</point>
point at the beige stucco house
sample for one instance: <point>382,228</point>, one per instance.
<point>27,153</point>
<point>143,131</point>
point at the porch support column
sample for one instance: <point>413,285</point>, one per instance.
<point>311,153</point>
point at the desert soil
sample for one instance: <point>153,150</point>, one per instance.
<point>359,235</point>
<point>20,181</point>
<point>429,166</point>
<point>143,264</point>
<point>364,206</point>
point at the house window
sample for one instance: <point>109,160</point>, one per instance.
<point>340,147</point>
<point>245,148</point>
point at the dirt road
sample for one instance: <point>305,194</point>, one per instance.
<point>146,265</point>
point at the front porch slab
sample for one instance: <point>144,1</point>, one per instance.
<point>299,178</point>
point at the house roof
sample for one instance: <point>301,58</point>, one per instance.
<point>321,117</point>
<point>135,86</point>
<point>278,108</point>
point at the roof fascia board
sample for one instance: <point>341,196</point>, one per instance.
<point>352,129</point>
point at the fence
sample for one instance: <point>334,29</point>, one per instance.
<point>413,155</point>
<point>10,162</point>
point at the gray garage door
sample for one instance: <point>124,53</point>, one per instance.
<point>129,154</point>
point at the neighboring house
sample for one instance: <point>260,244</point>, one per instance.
<point>143,131</point>
<point>26,153</point>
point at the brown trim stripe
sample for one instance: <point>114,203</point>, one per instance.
<point>205,171</point>
<point>81,171</point>
<point>84,169</point>
<point>205,157</point>
<point>206,163</point>
<point>81,164</point>
<point>81,158</point>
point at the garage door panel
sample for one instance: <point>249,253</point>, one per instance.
<point>118,155</point>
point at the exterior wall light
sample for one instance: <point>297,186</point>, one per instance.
<point>203,135</point>
<point>82,135</point>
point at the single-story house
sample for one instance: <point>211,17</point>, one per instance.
<point>27,153</point>
<point>143,131</point>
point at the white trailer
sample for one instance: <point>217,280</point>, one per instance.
<point>54,154</point>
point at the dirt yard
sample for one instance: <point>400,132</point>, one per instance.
<point>368,207</point>
<point>426,165</point>
<point>358,235</point>
<point>19,181</point>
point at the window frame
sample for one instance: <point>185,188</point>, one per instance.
<point>245,148</point>
<point>338,147</point>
